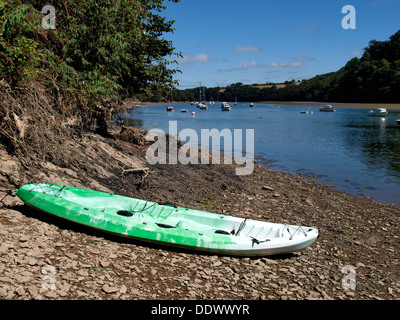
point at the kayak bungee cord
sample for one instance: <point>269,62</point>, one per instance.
<point>297,230</point>
<point>48,189</point>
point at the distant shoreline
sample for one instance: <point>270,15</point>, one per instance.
<point>367,106</point>
<point>388,106</point>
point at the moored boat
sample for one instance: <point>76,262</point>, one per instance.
<point>225,107</point>
<point>170,109</point>
<point>378,112</point>
<point>328,108</point>
<point>168,225</point>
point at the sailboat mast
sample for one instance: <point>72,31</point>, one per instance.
<point>200,95</point>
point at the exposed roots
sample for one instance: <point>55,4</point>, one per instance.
<point>33,127</point>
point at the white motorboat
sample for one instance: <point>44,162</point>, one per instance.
<point>378,112</point>
<point>225,107</point>
<point>202,106</point>
<point>327,108</point>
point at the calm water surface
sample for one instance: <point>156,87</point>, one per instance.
<point>357,154</point>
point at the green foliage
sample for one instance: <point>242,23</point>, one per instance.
<point>101,49</point>
<point>19,54</point>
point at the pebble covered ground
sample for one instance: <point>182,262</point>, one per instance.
<point>43,257</point>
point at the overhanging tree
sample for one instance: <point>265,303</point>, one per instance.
<point>100,50</point>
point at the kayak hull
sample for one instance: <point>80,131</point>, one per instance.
<point>167,225</point>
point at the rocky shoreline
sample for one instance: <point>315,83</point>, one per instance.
<point>44,258</point>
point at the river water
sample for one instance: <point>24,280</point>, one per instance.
<point>355,153</point>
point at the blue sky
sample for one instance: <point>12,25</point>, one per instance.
<point>260,41</point>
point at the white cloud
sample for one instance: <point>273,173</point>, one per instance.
<point>304,58</point>
<point>201,58</point>
<point>257,65</point>
<point>277,65</point>
<point>246,65</point>
<point>247,49</point>
<point>356,53</point>
<point>383,2</point>
<point>309,26</point>
<point>251,64</point>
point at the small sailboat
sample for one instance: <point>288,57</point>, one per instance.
<point>202,97</point>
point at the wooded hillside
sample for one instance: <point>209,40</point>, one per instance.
<point>375,77</point>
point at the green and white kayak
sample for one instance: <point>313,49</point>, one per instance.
<point>166,224</point>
